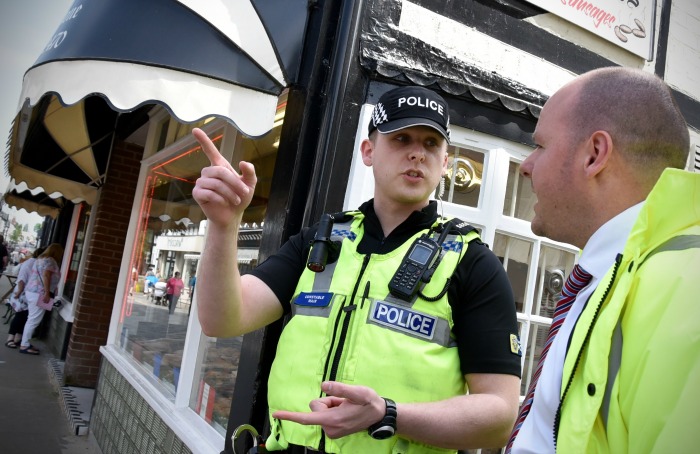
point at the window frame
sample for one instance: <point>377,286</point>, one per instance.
<point>175,409</point>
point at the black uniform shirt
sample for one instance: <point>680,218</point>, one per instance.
<point>480,294</point>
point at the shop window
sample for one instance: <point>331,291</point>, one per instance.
<point>537,334</point>
<point>168,239</point>
<point>214,381</point>
<point>554,266</point>
<point>168,230</point>
<point>76,252</point>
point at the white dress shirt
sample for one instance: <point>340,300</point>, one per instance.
<point>537,433</point>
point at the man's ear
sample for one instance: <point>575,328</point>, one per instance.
<point>366,148</point>
<point>599,150</point>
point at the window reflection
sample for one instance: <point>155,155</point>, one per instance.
<point>214,381</point>
<point>520,200</point>
<point>515,254</point>
<point>463,179</point>
<point>77,252</point>
<point>553,268</point>
<point>536,338</point>
<point>170,239</point>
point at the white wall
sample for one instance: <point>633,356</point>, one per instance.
<point>683,57</point>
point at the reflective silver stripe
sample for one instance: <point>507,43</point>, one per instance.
<point>389,298</point>
<point>322,281</point>
<point>677,243</point>
<point>614,361</point>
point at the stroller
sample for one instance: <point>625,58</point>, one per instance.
<point>158,294</point>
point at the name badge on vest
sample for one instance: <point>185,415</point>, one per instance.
<point>402,319</point>
<point>314,299</point>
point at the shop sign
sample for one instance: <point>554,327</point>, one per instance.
<point>625,23</point>
<point>180,243</point>
<point>247,255</point>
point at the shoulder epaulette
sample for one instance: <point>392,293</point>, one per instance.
<point>458,226</point>
<point>345,216</point>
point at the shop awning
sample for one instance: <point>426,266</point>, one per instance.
<point>197,58</point>
<point>53,148</point>
<point>33,201</point>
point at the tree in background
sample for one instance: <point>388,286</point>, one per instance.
<point>16,235</point>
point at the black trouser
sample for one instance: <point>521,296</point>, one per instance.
<point>172,302</point>
<point>18,322</point>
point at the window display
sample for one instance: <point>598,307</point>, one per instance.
<point>167,246</point>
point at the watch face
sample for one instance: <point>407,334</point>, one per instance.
<point>383,432</point>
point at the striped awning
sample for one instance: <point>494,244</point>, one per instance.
<point>110,58</point>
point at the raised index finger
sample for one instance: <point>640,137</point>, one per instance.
<point>209,149</point>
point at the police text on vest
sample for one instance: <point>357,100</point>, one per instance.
<point>402,319</point>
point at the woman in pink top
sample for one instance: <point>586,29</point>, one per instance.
<point>43,280</point>
<point>173,290</point>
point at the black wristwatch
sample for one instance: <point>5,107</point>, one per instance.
<point>387,426</point>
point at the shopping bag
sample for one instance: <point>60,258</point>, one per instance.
<point>46,305</point>
<point>18,304</point>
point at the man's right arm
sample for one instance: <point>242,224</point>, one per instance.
<point>228,304</point>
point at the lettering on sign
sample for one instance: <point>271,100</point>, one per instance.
<point>625,23</point>
<point>175,242</point>
<point>57,39</point>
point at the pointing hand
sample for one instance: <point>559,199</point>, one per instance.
<point>345,410</point>
<point>221,192</point>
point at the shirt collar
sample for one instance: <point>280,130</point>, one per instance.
<point>608,241</point>
<point>423,218</point>
<point>373,240</point>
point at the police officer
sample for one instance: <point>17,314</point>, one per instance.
<point>358,368</point>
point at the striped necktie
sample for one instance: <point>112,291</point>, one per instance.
<point>577,280</point>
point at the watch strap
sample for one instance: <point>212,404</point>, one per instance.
<point>386,427</point>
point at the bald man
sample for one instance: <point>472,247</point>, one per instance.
<point>621,374</point>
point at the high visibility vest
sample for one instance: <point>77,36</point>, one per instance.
<point>631,373</point>
<point>347,327</point>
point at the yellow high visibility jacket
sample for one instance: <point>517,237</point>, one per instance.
<point>346,326</point>
<point>631,380</point>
